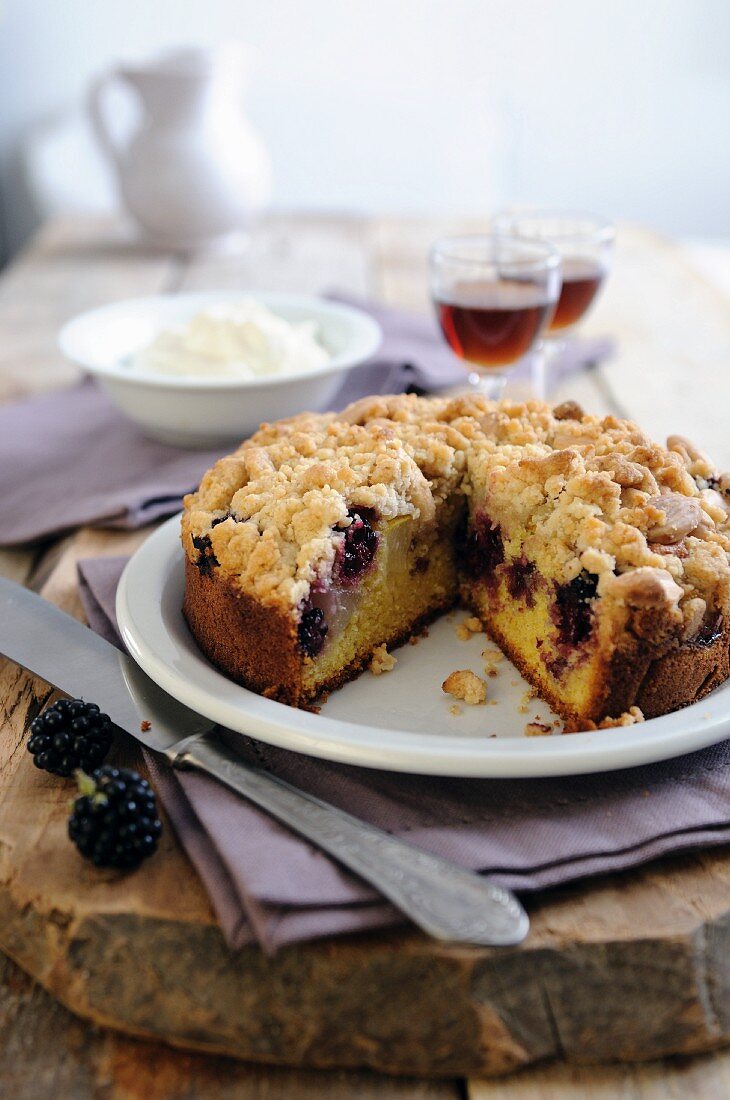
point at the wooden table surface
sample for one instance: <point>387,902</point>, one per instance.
<point>673,330</point>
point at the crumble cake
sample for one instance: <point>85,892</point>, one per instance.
<point>596,559</point>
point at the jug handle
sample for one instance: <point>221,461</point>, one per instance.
<point>97,115</point>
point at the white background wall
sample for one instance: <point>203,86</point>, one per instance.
<point>425,105</point>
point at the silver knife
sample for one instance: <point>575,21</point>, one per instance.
<point>443,899</point>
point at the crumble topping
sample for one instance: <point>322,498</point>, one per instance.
<point>571,492</point>
<point>382,661</point>
<point>465,684</point>
<point>269,510</point>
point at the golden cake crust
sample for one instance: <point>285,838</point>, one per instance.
<point>253,644</point>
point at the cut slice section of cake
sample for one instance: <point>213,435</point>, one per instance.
<point>328,540</point>
<point>595,566</point>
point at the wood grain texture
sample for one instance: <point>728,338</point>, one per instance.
<point>45,1051</point>
<point>705,1078</point>
<point>629,967</point>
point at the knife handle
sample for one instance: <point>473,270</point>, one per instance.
<point>444,900</point>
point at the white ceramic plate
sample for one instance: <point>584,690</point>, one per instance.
<point>400,721</point>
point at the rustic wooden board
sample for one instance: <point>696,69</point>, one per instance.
<point>628,967</point>
<point>45,1049</point>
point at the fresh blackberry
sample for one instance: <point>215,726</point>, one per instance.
<point>70,734</point>
<point>114,821</point>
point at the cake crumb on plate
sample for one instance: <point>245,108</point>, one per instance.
<point>465,629</point>
<point>382,661</point>
<point>537,729</point>
<point>465,684</point>
<point>491,658</point>
<point>527,697</point>
<point>455,709</point>
<point>628,718</point>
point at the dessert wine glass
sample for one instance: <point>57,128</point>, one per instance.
<point>494,296</point>
<point>585,243</point>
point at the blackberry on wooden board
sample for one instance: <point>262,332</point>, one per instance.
<point>68,735</point>
<point>114,822</point>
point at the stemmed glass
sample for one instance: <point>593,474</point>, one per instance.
<point>585,243</point>
<point>494,295</point>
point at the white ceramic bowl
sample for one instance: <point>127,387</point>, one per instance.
<point>203,412</point>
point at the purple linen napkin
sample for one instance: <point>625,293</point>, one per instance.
<point>68,459</point>
<point>265,882</point>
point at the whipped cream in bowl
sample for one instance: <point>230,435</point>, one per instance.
<point>236,339</point>
<point>206,368</point>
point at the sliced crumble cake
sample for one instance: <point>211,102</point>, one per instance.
<point>597,560</point>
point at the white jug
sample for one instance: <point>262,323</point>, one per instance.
<point>195,171</point>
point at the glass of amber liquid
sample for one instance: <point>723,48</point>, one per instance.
<point>494,297</point>
<point>585,243</point>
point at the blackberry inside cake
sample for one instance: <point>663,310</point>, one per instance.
<point>597,560</point>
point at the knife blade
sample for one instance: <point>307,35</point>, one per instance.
<point>53,645</point>
<point>445,900</point>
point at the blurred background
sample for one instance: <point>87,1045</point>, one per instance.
<point>400,106</point>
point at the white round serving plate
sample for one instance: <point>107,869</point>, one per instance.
<point>400,721</point>
<point>202,411</point>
